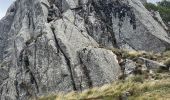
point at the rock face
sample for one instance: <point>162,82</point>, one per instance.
<point>156,15</point>
<point>129,67</point>
<point>139,30</point>
<point>101,66</point>
<point>53,45</point>
<point>143,1</point>
<point>151,65</point>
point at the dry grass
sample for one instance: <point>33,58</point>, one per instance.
<point>167,62</point>
<point>147,90</point>
<point>126,54</point>
<point>166,54</point>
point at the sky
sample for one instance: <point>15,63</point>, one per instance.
<point>4,4</point>
<point>153,1</point>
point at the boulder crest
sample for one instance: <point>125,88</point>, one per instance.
<point>54,45</point>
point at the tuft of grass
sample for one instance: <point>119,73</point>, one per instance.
<point>166,54</point>
<point>167,62</point>
<point>126,54</point>
<point>49,97</point>
<point>132,54</point>
<point>138,78</point>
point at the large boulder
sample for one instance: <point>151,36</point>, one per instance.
<point>40,57</point>
<point>100,65</point>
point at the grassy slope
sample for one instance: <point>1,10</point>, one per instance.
<point>138,87</point>
<point>147,90</point>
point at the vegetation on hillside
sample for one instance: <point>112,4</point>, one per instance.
<point>135,88</point>
<point>163,7</point>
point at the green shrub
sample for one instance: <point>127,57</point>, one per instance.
<point>163,7</point>
<point>151,6</point>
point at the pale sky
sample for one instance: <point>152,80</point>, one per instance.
<point>153,1</point>
<point>4,4</point>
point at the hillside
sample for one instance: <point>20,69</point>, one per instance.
<point>126,90</point>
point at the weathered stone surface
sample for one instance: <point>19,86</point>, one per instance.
<point>99,65</point>
<point>129,67</point>
<point>156,15</point>
<point>40,56</point>
<point>143,1</point>
<point>120,23</point>
<point>138,30</point>
<point>150,64</point>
